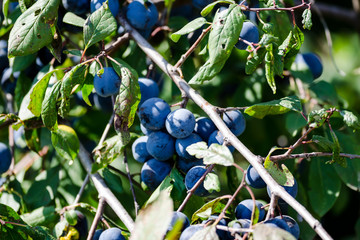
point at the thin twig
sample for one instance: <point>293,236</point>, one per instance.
<point>272,206</point>
<point>310,155</point>
<point>97,218</point>
<point>192,190</point>
<point>136,205</point>
<point>81,191</point>
<point>192,48</point>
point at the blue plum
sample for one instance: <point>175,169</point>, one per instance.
<point>312,61</point>
<point>142,15</point>
<point>144,130</point>
<point>190,231</point>
<point>292,190</point>
<point>200,4</point>
<point>192,176</point>
<point>160,145</point>
<point>113,5</point>
<point>148,89</point>
<point>237,224</point>
<point>180,123</point>
<point>204,127</point>
<point>250,33</point>
<point>182,143</point>
<point>253,178</point>
<point>217,137</point>
<point>5,158</point>
<point>179,216</point>
<point>8,80</point>
<point>235,122</point>
<point>277,222</point>
<point>97,234</point>
<point>294,228</point>
<point>78,7</point>
<point>221,233</point>
<point>112,234</point>
<point>153,113</point>
<point>108,83</point>
<point>153,172</point>
<point>185,165</point>
<point>139,150</point>
<point>244,209</point>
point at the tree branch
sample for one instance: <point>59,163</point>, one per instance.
<point>210,110</point>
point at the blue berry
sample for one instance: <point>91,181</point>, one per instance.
<point>179,216</point>
<point>191,178</point>
<point>108,83</point>
<point>180,123</point>
<point>5,158</point>
<point>142,16</point>
<point>154,172</point>
<point>277,222</point>
<point>312,61</point>
<point>112,234</point>
<point>244,209</point>
<point>153,113</point>
<point>250,33</point>
<point>204,127</point>
<point>139,150</point>
<point>160,145</point>
<point>292,224</point>
<point>78,7</point>
<point>185,165</point>
<point>113,5</point>
<point>217,137</point>
<point>235,122</point>
<point>182,143</point>
<point>253,178</point>
<point>97,234</point>
<point>190,231</point>
<point>148,89</point>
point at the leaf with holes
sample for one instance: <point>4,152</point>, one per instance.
<point>306,21</point>
<point>224,35</point>
<point>99,25</point>
<point>34,28</point>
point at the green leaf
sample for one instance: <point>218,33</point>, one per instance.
<point>113,181</point>
<point>212,207</point>
<point>296,41</point>
<point>274,107</point>
<point>153,221</point>
<point>34,28</point>
<point>336,150</point>
<point>75,76</point>
<point>324,143</point>
<point>45,186</point>
<point>41,216</point>
<point>65,142</point>
<point>281,175</point>
<point>107,152</point>
<point>254,59</point>
<point>88,84</point>
<point>37,93</point>
<point>188,28</point>
<point>20,63</point>
<point>306,21</point>
<point>350,174</point>
<point>33,138</point>
<point>350,119</point>
<point>71,217</point>
<point>16,229</point>
<point>211,6</point>
<point>264,232</point>
<point>208,233</point>
<point>324,187</point>
<point>269,67</point>
<point>99,25</point>
<point>212,182</point>
<point>127,100</point>
<point>325,92</point>
<point>48,107</point>
<point>224,35</point>
<point>268,39</point>
<point>294,123</point>
<point>215,154</point>
<point>73,19</point>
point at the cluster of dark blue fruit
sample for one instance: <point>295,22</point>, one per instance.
<point>171,132</point>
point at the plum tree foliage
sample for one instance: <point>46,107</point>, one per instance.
<point>235,99</point>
